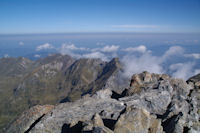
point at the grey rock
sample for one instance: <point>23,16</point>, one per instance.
<point>156,92</point>
<point>104,93</point>
<point>172,100</point>
<point>111,77</point>
<point>81,110</point>
<point>138,121</point>
<point>101,129</point>
<point>24,122</point>
<point>194,104</point>
<point>97,121</point>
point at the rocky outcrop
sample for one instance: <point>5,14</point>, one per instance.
<point>29,119</point>
<point>81,111</point>
<point>194,102</point>
<point>168,98</point>
<point>111,77</point>
<point>154,103</point>
<point>195,81</point>
<point>156,93</point>
<point>80,75</point>
<point>136,120</point>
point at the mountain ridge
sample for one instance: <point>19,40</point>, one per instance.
<point>56,78</point>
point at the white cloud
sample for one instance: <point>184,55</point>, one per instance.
<point>108,48</point>
<point>5,55</point>
<point>21,43</point>
<point>174,50</point>
<point>182,70</point>
<point>70,49</point>
<point>146,62</point>
<point>74,51</point>
<point>141,49</point>
<point>96,55</point>
<point>44,47</point>
<point>157,64</point>
<point>73,47</point>
<point>69,52</point>
<point>37,56</point>
<point>69,46</point>
<point>95,49</point>
<point>135,26</point>
<point>194,55</point>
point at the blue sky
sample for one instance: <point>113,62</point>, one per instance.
<point>60,16</point>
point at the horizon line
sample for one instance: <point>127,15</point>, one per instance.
<point>98,32</point>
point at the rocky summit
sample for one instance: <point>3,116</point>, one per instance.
<point>152,103</point>
<point>52,80</point>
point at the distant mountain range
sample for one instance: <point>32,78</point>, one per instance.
<point>55,79</point>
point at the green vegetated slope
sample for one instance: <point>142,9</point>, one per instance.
<point>56,78</point>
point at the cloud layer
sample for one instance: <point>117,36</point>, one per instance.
<point>173,51</point>
<point>159,64</point>
<point>194,55</point>
<point>145,62</point>
<point>136,59</point>
<point>44,47</point>
<point>141,49</point>
<point>105,53</point>
<point>112,48</point>
<point>182,70</point>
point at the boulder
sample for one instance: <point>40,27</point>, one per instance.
<point>29,119</point>
<point>138,121</point>
<point>70,115</point>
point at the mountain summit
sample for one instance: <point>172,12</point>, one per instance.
<point>153,103</point>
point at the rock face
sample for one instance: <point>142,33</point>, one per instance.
<point>195,81</point>
<point>153,103</point>
<point>51,80</point>
<point>138,121</point>
<point>194,100</point>
<point>111,78</point>
<point>29,118</point>
<point>170,99</point>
